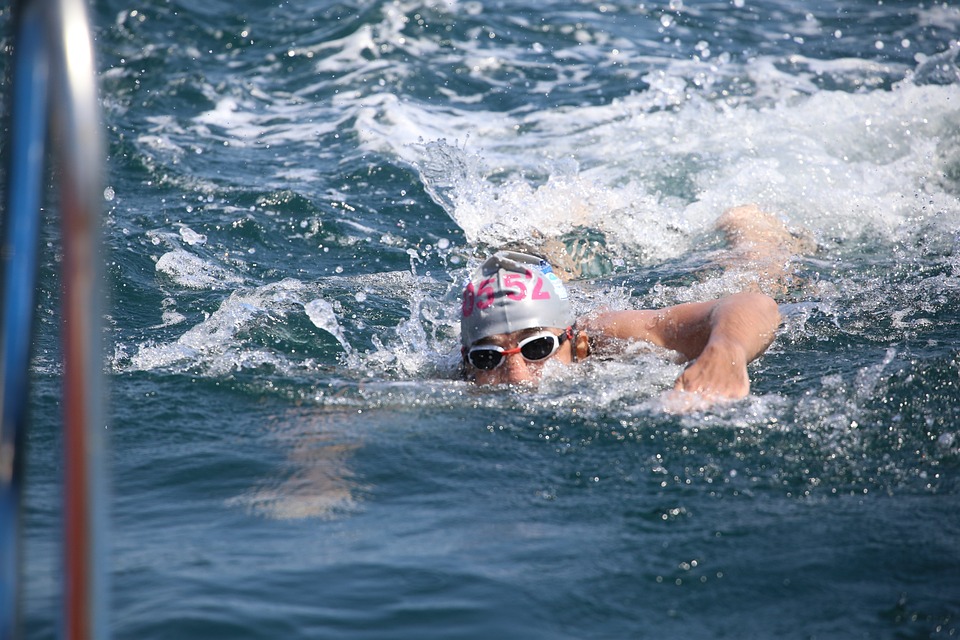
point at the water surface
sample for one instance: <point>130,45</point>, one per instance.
<point>295,192</point>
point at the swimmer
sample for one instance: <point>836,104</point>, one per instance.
<point>516,317</point>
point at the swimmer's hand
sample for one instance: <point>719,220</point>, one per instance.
<point>717,376</point>
<point>718,373</point>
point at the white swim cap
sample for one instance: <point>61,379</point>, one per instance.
<point>512,291</point>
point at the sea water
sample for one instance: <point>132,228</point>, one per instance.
<point>294,194</point>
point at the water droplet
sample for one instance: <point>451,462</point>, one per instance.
<point>191,237</point>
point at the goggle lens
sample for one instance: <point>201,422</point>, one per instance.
<point>485,359</point>
<point>539,348</point>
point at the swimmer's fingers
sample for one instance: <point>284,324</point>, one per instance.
<point>716,374</point>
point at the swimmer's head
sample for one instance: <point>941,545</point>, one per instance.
<point>511,292</point>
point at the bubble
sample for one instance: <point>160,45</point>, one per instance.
<point>108,194</point>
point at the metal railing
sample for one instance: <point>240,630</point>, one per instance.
<point>54,112</point>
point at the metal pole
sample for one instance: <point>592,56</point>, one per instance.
<point>76,128</point>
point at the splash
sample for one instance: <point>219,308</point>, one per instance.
<point>240,335</point>
<point>322,315</point>
<point>189,270</point>
<point>495,213</point>
<point>653,169</point>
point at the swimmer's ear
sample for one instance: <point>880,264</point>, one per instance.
<point>581,347</point>
<point>466,371</point>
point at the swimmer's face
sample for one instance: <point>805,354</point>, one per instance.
<point>521,355</point>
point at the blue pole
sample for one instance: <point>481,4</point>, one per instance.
<point>18,256</point>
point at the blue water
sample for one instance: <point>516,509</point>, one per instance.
<point>293,193</point>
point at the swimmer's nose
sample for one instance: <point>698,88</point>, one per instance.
<point>516,369</point>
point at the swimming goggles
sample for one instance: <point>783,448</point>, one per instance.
<point>537,347</point>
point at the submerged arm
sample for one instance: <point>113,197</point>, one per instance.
<point>719,336</point>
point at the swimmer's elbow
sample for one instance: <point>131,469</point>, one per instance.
<point>754,317</point>
<point>761,304</point>
<point>767,314</point>
<point>771,310</point>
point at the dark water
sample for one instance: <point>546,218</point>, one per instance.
<point>294,192</point>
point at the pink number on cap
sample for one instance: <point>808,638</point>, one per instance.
<point>468,299</point>
<point>485,293</point>
<point>513,281</point>
<point>538,292</point>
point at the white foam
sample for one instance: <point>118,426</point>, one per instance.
<point>221,343</point>
<point>191,237</point>
<point>940,15</point>
<point>170,318</point>
<point>247,123</point>
<point>497,212</point>
<point>213,345</point>
<point>189,270</point>
<point>839,163</point>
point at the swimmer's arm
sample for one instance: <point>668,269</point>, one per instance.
<point>720,336</point>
